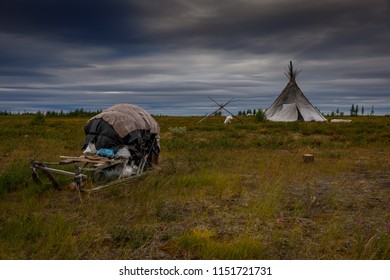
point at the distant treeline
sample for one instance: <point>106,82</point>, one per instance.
<point>76,113</point>
<point>248,112</point>
<point>354,111</point>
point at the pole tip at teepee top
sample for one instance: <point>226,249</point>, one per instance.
<point>291,73</point>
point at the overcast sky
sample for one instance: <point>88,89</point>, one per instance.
<point>168,56</point>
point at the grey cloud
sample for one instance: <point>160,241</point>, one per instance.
<point>276,26</point>
<point>20,72</point>
<point>364,74</point>
<point>170,55</point>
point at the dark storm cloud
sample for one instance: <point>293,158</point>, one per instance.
<point>254,25</point>
<point>172,54</point>
<point>274,26</point>
<point>96,21</point>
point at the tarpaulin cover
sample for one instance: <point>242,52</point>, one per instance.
<point>126,118</point>
<point>123,124</point>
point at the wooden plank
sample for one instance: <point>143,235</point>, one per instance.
<point>89,159</point>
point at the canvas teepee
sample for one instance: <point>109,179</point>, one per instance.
<point>291,104</point>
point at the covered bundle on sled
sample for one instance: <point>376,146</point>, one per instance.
<point>120,142</point>
<point>123,131</point>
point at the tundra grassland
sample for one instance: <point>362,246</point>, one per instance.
<point>237,191</point>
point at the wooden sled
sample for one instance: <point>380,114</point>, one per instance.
<point>103,172</point>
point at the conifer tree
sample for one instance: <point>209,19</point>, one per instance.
<point>352,110</point>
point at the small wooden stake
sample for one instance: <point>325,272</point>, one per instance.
<point>308,158</point>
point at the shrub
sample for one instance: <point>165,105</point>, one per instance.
<point>260,116</point>
<point>178,130</point>
<point>39,119</point>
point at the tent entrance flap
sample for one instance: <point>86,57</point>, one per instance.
<point>300,117</point>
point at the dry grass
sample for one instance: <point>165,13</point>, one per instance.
<point>222,192</point>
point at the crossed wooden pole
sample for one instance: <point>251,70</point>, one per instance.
<point>221,106</point>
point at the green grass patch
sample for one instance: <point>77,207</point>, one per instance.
<point>236,191</point>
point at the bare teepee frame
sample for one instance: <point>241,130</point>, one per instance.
<point>292,73</point>
<point>221,106</point>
